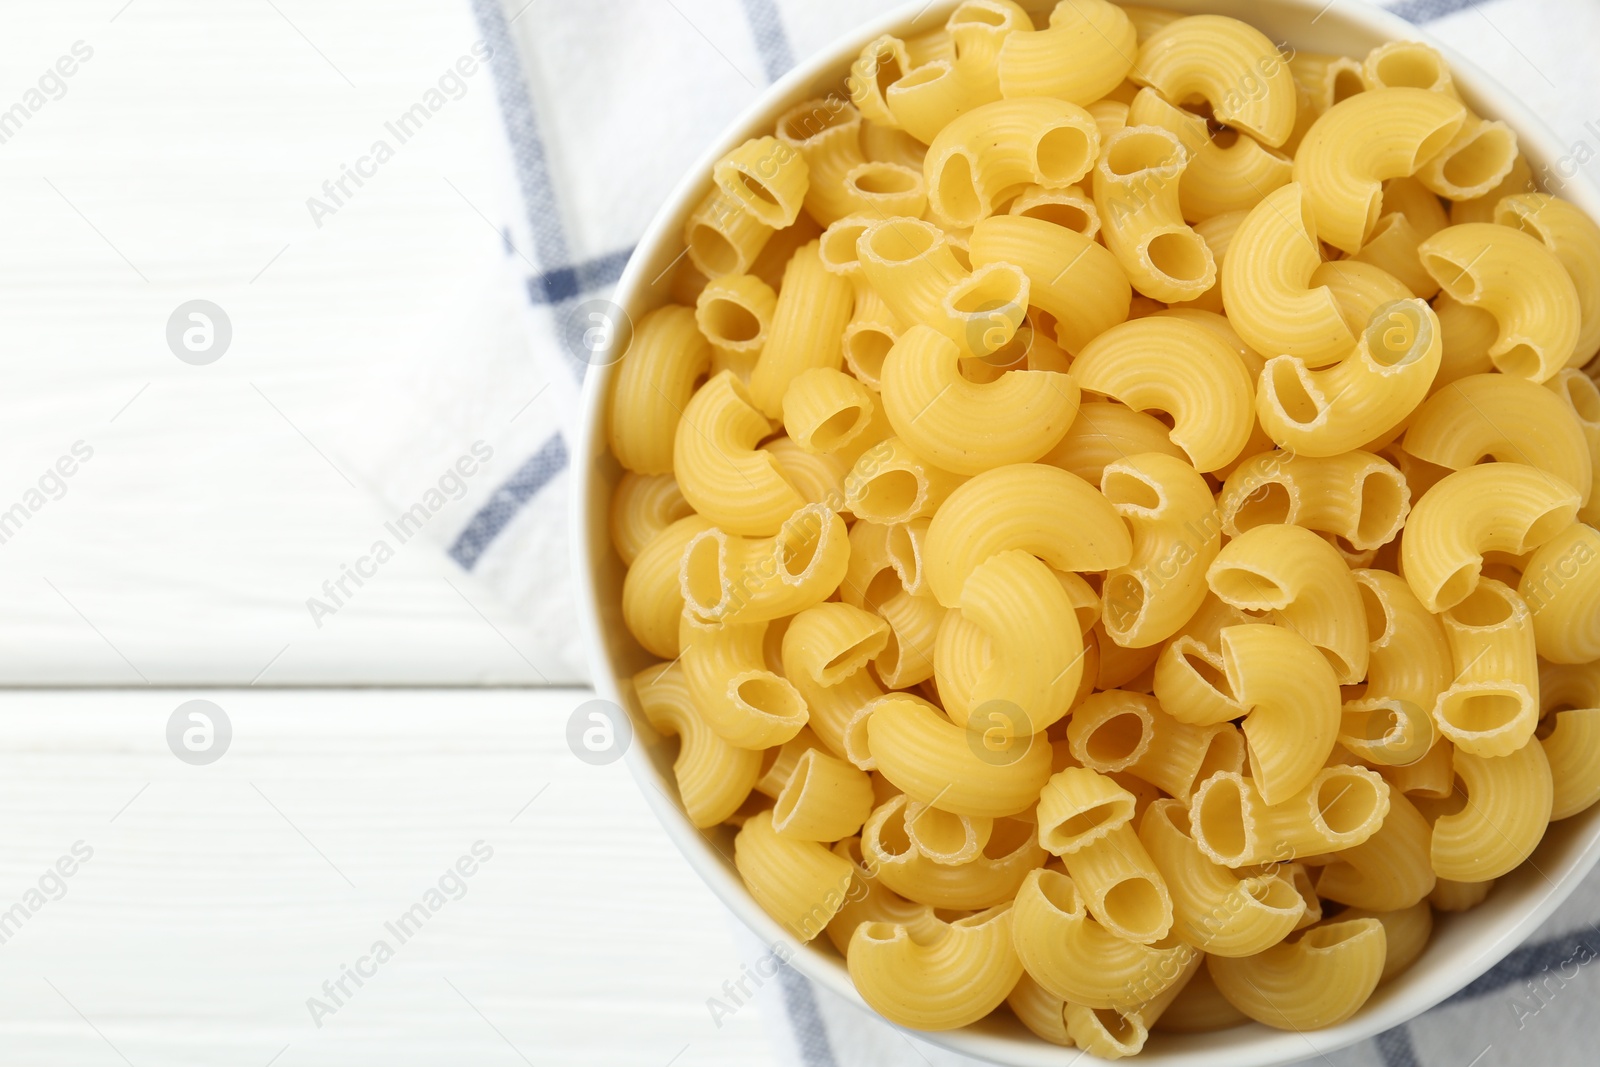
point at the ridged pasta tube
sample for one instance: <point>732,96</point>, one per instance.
<point>940,979</point>
<point>721,472</point>
<point>1084,54</point>
<point>642,506</point>
<point>1561,585</point>
<point>1235,826</point>
<point>989,878</point>
<point>1136,195</point>
<point>652,591</point>
<point>1231,65</point>
<point>997,146</point>
<point>713,777</point>
<point>1508,806</point>
<point>1574,239</point>
<point>748,705</point>
<point>665,357</point>
<point>755,579</point>
<point>799,883</point>
<point>1319,979</point>
<point>807,329</point>
<point>1389,870</point>
<point>1071,277</point>
<point>1492,706</point>
<point>1573,751</point>
<point>1356,496</point>
<point>1293,697</point>
<point>945,766</point>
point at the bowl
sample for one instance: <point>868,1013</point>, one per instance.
<point>1464,945</point>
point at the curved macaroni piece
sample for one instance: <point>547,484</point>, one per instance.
<point>1406,933</point>
<point>1573,751</point>
<point>998,146</point>
<point>1231,65</point>
<point>1122,887</point>
<point>1213,909</point>
<point>1181,368</point>
<point>825,799</point>
<point>1508,805</point>
<point>1040,1010</point>
<point>1136,196</point>
<point>826,132</point>
<point>641,507</point>
<point>1105,432</point>
<point>1319,979</point>
<point>767,178</point>
<point>721,472</point>
<point>1574,239</point>
<point>799,883</point>
<point>1355,496</point>
<point>665,357</point>
<point>947,767</point>
<point>892,484</point>
<point>722,237</point>
<point>652,591</point>
<point>1390,870</point>
<point>1068,952</point>
<point>1519,281</point>
<point>713,777</point>
<point>1562,588</point>
<point>1502,417</point>
<point>1492,706</point>
<point>807,329</point>
<point>944,838</point>
<point>1079,806</point>
<point>1409,657</point>
<point>1365,396</point>
<point>1071,208</point>
<point>965,427</point>
<point>1176,535</point>
<point>1293,699</point>
<point>936,979</point>
<point>830,642</point>
<point>869,900</point>
<point>1343,806</point>
<point>734,313</point>
<point>990,878</point>
<point>1268,288</point>
<point>1477,159</point>
<point>1085,54</point>
<point>1296,574</point>
<point>739,579</point>
<point>1227,177</point>
<point>747,704</point>
<point>1071,277</point>
<point>1491,507</point>
<point>1054,515</point>
<point>826,411</point>
<point>1362,142</point>
<point>1408,65</point>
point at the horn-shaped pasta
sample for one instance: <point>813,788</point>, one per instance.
<point>1519,281</point>
<point>869,900</point>
<point>1235,826</point>
<point>1114,731</point>
<point>1060,518</point>
<point>1562,588</point>
<point>1574,239</point>
<point>1406,932</point>
<point>1181,368</point>
<point>778,764</point>
<point>938,979</point>
<point>1408,65</point>
<point>825,799</point>
<point>964,772</point>
<point>1293,572</point>
<point>1105,432</point>
<point>1191,683</point>
<point>807,331</point>
<point>1319,979</point>
<point>1364,396</point>
<point>1225,178</point>
<point>1362,142</point>
<point>1267,283</point>
<point>722,237</point>
<point>1491,507</point>
<point>747,704</point>
<point>1477,159</point>
<point>827,133</point>
<point>652,592</point>
<point>1231,65</point>
<point>1573,749</point>
<point>1430,777</point>
<point>826,410</point>
<point>1530,424</point>
<point>748,579</point>
<point>713,777</point>
<point>823,653</point>
<point>666,354</point>
<point>734,313</point>
<point>1012,598</point>
<point>1040,1010</point>
<point>1356,496</point>
<point>913,267</point>
<point>892,484</point>
<point>1492,706</point>
<point>945,838</point>
<point>1112,1034</point>
<point>720,470</point>
<point>1121,886</point>
<point>1293,697</point>
<point>1389,870</point>
<point>997,146</point>
<point>1071,277</point>
<point>1085,53</point>
<point>1176,534</point>
<point>966,427</point>
<point>768,178</point>
<point>641,507</point>
<point>1136,196</point>
<point>1200,1008</point>
<point>1213,909</point>
<point>799,883</point>
<point>1071,208</point>
<point>1508,804</point>
<point>1079,806</point>
<point>1387,731</point>
<point>989,878</point>
<point>1069,953</point>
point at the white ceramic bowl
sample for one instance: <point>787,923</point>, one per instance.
<point>1463,946</point>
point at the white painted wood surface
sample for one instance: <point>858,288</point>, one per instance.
<point>207,916</point>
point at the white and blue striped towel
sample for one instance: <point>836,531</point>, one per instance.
<point>606,104</point>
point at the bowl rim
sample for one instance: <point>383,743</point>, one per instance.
<point>590,543</point>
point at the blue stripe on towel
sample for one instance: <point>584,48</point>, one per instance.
<point>1396,1049</point>
<point>497,513</point>
<point>568,283</point>
<point>1531,961</point>
<point>766,26</point>
<point>810,1035</point>
<point>1420,11</point>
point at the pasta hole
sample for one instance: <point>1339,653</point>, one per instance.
<point>1061,892</point>
<point>892,837</point>
<point>714,252</point>
<point>1296,401</point>
<point>702,569</point>
<point>1520,360</point>
<point>1134,905</point>
<point>902,550</point>
<point>799,541</point>
<point>885,179</point>
<point>1224,753</point>
<point>755,190</point>
<point>1546,526</point>
<point>1383,497</point>
<point>1118,1027</point>
<point>902,240</point>
<point>1221,818</point>
<point>1346,83</point>
<point>1481,159</point>
<point>867,347</point>
<point>1248,589</point>
<point>770,695</point>
<point>1452,275</point>
<point>852,657</point>
<point>1116,740</point>
<point>1084,822</point>
<point>1458,585</point>
<point>1208,674</point>
<point>1062,155</point>
<point>1481,712</point>
<point>839,243</point>
<point>1067,216</point>
<point>1136,152</point>
<point>1269,505</point>
<point>1486,606</point>
<point>730,322</point>
<point>1180,255</point>
<point>837,428</point>
<point>1377,613</point>
<point>1409,68</point>
<point>1126,487</point>
<point>1584,395</point>
<point>1225,138</point>
<point>890,496</point>
<point>941,832</point>
<point>889,69</point>
<point>958,189</point>
<point>1346,802</point>
<point>1435,142</point>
